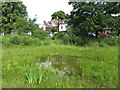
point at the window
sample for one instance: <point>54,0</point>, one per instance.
<point>65,27</point>
<point>61,27</point>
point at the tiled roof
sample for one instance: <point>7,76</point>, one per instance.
<point>55,21</point>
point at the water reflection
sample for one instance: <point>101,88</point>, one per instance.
<point>64,65</point>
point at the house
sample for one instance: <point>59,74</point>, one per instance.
<point>2,34</point>
<point>63,27</point>
<point>54,22</point>
<point>107,30</point>
<point>44,26</point>
<point>28,33</point>
<point>60,26</point>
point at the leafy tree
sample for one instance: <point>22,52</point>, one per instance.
<point>32,25</point>
<point>10,13</point>
<point>90,17</point>
<point>59,15</point>
<point>24,25</point>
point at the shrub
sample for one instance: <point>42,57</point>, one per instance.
<point>111,41</point>
<point>60,35</point>
<point>24,40</point>
<point>15,39</point>
<point>72,39</point>
<point>67,39</point>
<point>40,34</point>
<point>102,44</point>
<point>6,40</point>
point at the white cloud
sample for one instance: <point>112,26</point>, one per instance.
<point>45,8</point>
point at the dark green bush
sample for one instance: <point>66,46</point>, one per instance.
<point>40,34</point>
<point>72,39</point>
<point>111,41</point>
<point>89,41</point>
<point>67,39</point>
<point>60,35</point>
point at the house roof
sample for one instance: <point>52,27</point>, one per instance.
<point>55,21</point>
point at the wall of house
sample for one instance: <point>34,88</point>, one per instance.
<point>44,27</point>
<point>53,24</point>
<point>2,34</point>
<point>62,27</point>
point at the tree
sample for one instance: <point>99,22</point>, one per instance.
<point>10,13</point>
<point>90,17</point>
<point>25,25</point>
<point>59,15</point>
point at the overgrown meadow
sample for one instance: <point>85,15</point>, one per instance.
<point>82,53</point>
<point>28,62</point>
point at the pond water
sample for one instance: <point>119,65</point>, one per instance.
<point>64,64</point>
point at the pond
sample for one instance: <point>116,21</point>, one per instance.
<point>64,64</point>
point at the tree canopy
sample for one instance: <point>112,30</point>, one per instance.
<point>15,17</point>
<point>59,15</point>
<point>10,12</point>
<point>89,17</point>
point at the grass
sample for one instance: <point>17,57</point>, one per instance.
<point>99,67</point>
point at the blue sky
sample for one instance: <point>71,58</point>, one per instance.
<point>45,8</point>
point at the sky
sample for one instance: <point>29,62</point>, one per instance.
<point>45,8</point>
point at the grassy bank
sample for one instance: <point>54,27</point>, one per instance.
<point>99,67</point>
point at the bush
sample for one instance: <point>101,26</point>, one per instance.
<point>111,41</point>
<point>6,40</point>
<point>60,35</point>
<point>40,34</point>
<point>24,40</point>
<point>102,44</point>
<point>67,39</point>
<point>72,39</point>
<point>89,41</point>
<point>15,39</point>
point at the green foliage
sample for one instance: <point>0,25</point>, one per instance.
<point>40,34</point>
<point>10,12</point>
<point>23,25</point>
<point>99,67</point>
<point>59,35</point>
<point>90,17</point>
<point>20,40</point>
<point>90,41</point>
<point>15,39</point>
<point>15,18</point>
<point>71,39</point>
<point>59,15</point>
<point>53,29</point>
<point>111,41</point>
<point>36,76</point>
<point>33,76</point>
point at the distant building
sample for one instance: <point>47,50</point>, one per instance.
<point>63,27</point>
<point>60,26</point>
<point>2,34</point>
<point>107,30</point>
